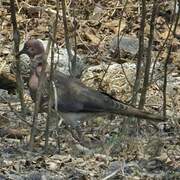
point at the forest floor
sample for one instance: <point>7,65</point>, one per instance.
<point>114,147</point>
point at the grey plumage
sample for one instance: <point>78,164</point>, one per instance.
<point>75,100</point>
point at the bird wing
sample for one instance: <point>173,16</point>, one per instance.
<point>73,96</point>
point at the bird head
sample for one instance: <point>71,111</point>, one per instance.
<point>32,48</point>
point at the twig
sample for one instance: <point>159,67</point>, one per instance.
<point>84,43</point>
<point>51,83</point>
<point>119,39</point>
<point>118,49</point>
<point>106,70</point>
<point>75,39</point>
<point>140,54</point>
<point>16,38</point>
<point>162,48</point>
<point>114,9</point>
<point>148,56</point>
<point>177,19</point>
<point>66,36</point>
<point>165,80</point>
<point>110,176</point>
<point>166,63</point>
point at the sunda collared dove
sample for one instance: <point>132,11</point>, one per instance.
<point>75,101</point>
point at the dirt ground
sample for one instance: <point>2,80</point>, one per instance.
<point>114,147</point>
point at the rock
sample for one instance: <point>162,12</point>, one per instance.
<point>114,82</point>
<point>60,58</point>
<point>127,44</point>
<point>118,84</point>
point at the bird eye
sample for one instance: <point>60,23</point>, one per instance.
<point>31,49</point>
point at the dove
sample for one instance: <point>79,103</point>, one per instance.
<point>75,101</point>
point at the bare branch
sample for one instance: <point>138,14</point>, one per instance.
<point>66,36</point>
<point>140,54</point>
<point>167,60</point>
<point>16,38</point>
<point>51,83</point>
<point>148,56</point>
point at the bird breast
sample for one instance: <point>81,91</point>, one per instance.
<point>33,82</point>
